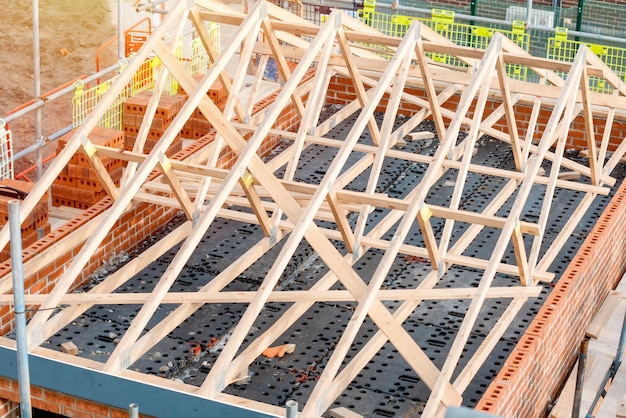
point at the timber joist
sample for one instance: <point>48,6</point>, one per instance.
<point>331,214</point>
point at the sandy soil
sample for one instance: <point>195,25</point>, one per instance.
<point>70,33</point>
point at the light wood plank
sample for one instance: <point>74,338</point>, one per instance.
<point>121,357</point>
<point>384,142</point>
<point>90,246</point>
<point>608,125</point>
<point>205,37</point>
<point>500,247</point>
<point>232,104</point>
<point>176,187</point>
<point>366,303</point>
<point>565,403</point>
<point>148,117</point>
<point>509,113</point>
<point>281,62</point>
<point>487,345</point>
<point>601,318</point>
<point>357,83</point>
<point>430,89</point>
<point>570,111</point>
<point>256,204</point>
<point>423,218</point>
<point>107,183</point>
<point>339,215</point>
<point>374,344</point>
<point>333,259</point>
<point>118,278</point>
<point>160,330</point>
<point>204,296</point>
<point>342,412</point>
<point>483,77</point>
<point>590,134</point>
<point>520,254</point>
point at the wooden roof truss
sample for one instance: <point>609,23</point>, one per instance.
<point>287,209</point>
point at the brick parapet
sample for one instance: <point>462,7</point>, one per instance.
<point>537,367</point>
<point>341,91</point>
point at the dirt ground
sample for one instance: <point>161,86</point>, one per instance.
<point>70,33</point>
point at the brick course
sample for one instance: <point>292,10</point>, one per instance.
<point>51,401</point>
<point>342,92</point>
<point>538,366</point>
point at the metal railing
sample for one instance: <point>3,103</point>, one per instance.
<point>539,38</point>
<point>6,161</point>
<point>67,106</point>
<point>55,108</point>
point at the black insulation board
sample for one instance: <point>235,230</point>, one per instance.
<point>387,386</point>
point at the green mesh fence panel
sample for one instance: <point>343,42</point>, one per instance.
<point>442,22</point>
<point>563,49</point>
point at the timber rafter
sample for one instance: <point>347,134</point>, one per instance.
<point>290,211</point>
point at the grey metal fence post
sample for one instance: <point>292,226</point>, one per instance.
<point>579,17</point>
<point>121,42</point>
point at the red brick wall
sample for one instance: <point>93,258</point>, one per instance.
<point>9,409</point>
<point>51,401</point>
<point>341,92</point>
<point>536,368</point>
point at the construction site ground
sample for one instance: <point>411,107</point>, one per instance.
<point>70,34</point>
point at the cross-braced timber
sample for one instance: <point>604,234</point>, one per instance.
<point>380,68</point>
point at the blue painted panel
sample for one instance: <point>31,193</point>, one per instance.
<point>117,391</point>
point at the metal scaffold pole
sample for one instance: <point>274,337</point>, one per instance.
<point>133,410</point>
<point>37,92</point>
<point>529,11</point>
<point>120,30</point>
<point>291,409</point>
<point>579,16</point>
<point>23,375</point>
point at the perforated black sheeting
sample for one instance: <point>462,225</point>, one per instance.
<point>387,386</point>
